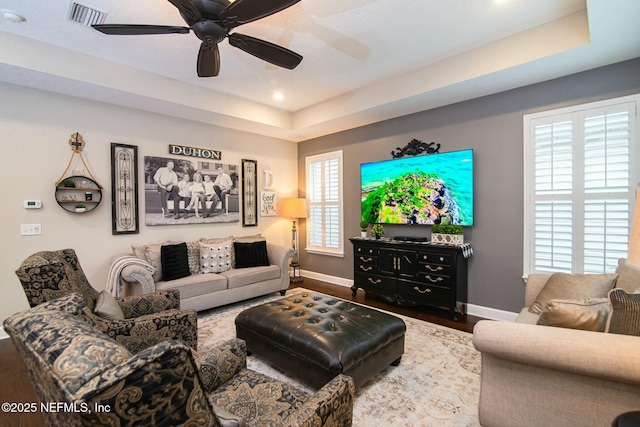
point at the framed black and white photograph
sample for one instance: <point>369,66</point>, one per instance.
<point>124,189</point>
<point>249,193</point>
<point>185,191</point>
<point>268,201</point>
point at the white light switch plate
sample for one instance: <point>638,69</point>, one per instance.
<point>30,229</point>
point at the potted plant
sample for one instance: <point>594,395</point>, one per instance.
<point>377,230</point>
<point>448,234</point>
<point>81,208</point>
<point>363,228</point>
<point>68,183</point>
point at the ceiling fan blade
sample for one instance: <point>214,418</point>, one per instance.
<point>134,30</point>
<point>242,11</point>
<point>208,58</point>
<point>276,55</point>
<point>188,11</point>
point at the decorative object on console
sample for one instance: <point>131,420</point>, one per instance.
<point>295,208</point>
<point>249,193</point>
<point>78,187</point>
<point>447,234</point>
<point>415,147</point>
<point>364,225</point>
<point>124,189</point>
<point>377,230</point>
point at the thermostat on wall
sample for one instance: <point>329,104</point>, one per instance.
<point>32,204</point>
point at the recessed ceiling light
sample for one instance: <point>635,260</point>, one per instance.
<point>12,16</point>
<point>278,96</point>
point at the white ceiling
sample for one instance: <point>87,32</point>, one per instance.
<point>364,60</point>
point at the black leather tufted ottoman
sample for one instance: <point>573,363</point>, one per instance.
<point>315,337</point>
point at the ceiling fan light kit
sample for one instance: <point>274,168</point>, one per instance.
<point>211,21</point>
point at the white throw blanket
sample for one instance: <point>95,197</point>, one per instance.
<point>114,279</point>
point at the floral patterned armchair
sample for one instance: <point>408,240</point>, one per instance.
<point>148,319</point>
<point>100,383</point>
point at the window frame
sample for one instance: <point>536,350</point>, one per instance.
<point>324,249</point>
<point>578,194</point>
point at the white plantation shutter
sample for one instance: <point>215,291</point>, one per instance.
<point>580,178</point>
<point>324,196</point>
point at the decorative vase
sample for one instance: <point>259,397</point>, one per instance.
<point>378,236</point>
<point>363,234</point>
<point>80,210</point>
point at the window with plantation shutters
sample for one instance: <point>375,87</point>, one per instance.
<point>581,172</point>
<point>324,198</point>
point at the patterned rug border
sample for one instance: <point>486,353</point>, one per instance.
<point>436,384</point>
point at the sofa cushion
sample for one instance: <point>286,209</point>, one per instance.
<point>175,262</point>
<point>215,257</point>
<point>589,314</point>
<point>625,313</point>
<point>195,285</point>
<point>251,254</point>
<point>247,276</point>
<point>107,307</point>
<point>628,276</point>
<point>573,286</point>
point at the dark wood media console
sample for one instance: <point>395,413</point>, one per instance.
<point>411,273</point>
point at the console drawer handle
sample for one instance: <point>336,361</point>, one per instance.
<point>374,282</point>
<point>426,291</point>
<point>366,260</point>
<point>436,280</point>
<point>438,268</point>
<point>368,268</point>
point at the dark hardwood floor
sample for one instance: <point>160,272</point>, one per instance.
<point>15,386</point>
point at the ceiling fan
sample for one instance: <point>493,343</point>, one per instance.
<point>211,21</point>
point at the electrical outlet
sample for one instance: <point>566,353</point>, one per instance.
<point>30,229</point>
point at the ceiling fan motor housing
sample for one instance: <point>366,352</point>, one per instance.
<point>209,29</point>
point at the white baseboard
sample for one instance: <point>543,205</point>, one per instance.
<point>472,309</point>
<point>3,334</point>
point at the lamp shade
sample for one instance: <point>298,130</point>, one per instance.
<point>294,208</point>
<point>634,238</point>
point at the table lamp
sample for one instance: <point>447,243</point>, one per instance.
<point>295,208</point>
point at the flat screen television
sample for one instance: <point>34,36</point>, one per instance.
<point>427,189</point>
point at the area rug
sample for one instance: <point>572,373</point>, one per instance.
<point>436,384</point>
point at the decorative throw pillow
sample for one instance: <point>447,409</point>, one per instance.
<point>573,286</point>
<point>590,314</point>
<point>625,313</point>
<point>246,239</point>
<point>107,307</point>
<point>216,257</point>
<point>175,262</point>
<point>193,255</point>
<point>251,254</point>
<point>628,276</point>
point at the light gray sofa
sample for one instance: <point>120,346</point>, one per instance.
<point>535,375</point>
<point>204,291</point>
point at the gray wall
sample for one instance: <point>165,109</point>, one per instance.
<point>493,127</point>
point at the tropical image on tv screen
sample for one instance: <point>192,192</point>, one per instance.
<point>427,189</point>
